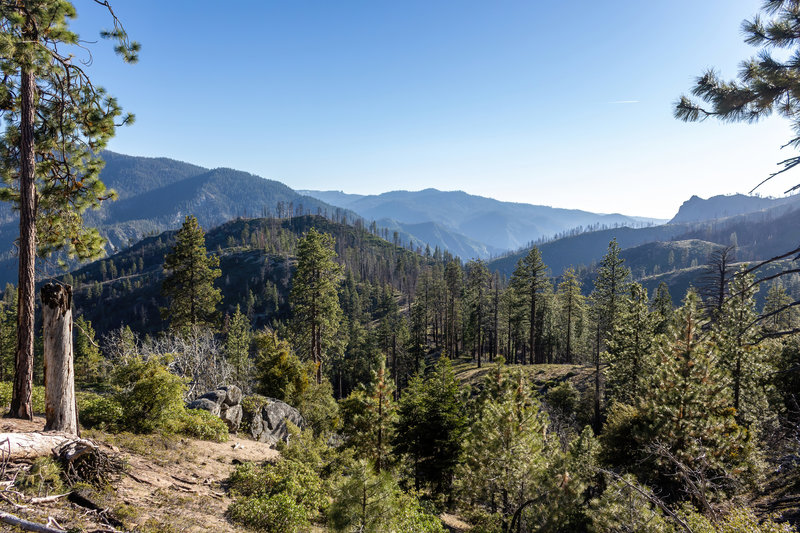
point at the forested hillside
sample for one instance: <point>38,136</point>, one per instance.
<point>402,357</point>
<point>257,258</point>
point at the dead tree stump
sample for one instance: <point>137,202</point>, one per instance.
<point>61,411</point>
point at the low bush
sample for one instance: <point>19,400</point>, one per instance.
<point>282,497</point>
<point>150,395</point>
<point>202,425</point>
<point>563,397</point>
<point>100,412</point>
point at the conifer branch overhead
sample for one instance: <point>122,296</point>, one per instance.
<point>764,85</point>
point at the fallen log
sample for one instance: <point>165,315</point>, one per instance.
<point>27,525</point>
<point>28,446</point>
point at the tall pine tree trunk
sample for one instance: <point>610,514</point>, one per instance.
<point>23,372</point>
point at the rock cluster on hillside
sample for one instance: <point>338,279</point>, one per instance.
<point>225,402</point>
<point>266,420</point>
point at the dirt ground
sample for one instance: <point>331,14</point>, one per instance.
<point>172,484</point>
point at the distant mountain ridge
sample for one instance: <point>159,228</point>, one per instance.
<point>501,225</point>
<point>156,194</point>
<point>697,209</point>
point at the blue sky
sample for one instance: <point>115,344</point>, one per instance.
<point>566,104</point>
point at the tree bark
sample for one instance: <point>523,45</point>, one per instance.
<point>61,410</point>
<point>26,446</point>
<point>21,406</point>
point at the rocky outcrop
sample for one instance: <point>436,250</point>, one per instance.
<point>269,422</point>
<point>225,402</point>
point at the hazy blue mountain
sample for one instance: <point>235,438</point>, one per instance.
<point>500,225</point>
<point>436,235</point>
<point>697,209</point>
<point>337,198</point>
<point>758,235</point>
<point>588,248</point>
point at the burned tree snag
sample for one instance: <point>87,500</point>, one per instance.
<point>61,412</point>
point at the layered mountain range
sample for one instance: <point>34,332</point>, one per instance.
<point>155,194</point>
<point>497,226</point>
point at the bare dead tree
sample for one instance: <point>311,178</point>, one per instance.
<point>716,277</point>
<point>198,356</point>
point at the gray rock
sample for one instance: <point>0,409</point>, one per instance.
<point>225,402</point>
<point>232,416</point>
<point>269,425</point>
<point>217,396</point>
<point>206,405</point>
<point>233,395</point>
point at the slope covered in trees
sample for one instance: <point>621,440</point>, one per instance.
<point>257,260</point>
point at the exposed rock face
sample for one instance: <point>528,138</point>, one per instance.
<point>232,416</point>
<point>225,402</point>
<point>269,424</point>
<point>206,405</point>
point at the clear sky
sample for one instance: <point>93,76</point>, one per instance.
<point>566,104</point>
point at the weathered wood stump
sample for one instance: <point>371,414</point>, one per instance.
<point>61,412</point>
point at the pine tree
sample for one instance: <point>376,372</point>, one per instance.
<point>740,354</point>
<point>314,300</point>
<point>369,416</point>
<point>765,84</point>
<point>684,419</point>
<point>609,287</point>
<point>431,427</point>
<point>237,349</point>
<point>88,359</point>
<point>629,348</point>
<point>571,305</point>
<point>189,282</point>
<point>453,279</point>
<point>57,123</point>
<point>8,332</point>
<point>777,316</point>
<point>528,280</point>
<point>714,282</point>
<point>478,279</point>
<point>505,456</point>
<point>662,309</point>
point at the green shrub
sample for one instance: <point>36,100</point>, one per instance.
<point>43,478</point>
<point>150,395</point>
<point>37,400</point>
<point>319,408</point>
<point>101,412</point>
<point>6,388</point>
<point>282,497</point>
<point>563,397</point>
<point>276,513</point>
<point>280,374</point>
<point>203,425</point>
<point>737,521</point>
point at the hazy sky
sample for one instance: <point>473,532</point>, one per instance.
<point>566,104</point>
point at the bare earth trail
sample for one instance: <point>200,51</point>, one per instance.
<point>174,484</point>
